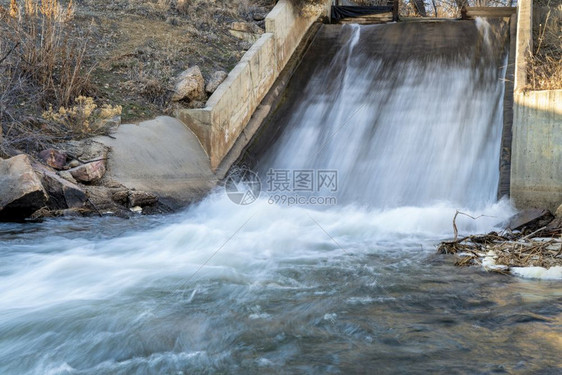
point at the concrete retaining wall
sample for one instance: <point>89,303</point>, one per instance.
<point>536,170</point>
<point>231,106</point>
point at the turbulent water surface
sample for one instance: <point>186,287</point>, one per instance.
<point>270,288</point>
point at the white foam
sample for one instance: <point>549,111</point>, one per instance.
<point>552,273</point>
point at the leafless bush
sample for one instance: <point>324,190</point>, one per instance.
<point>42,63</point>
<point>545,64</point>
<point>43,49</point>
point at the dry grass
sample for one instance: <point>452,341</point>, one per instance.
<point>545,64</point>
<point>42,64</point>
<point>137,48</point>
<point>40,46</point>
<point>448,8</point>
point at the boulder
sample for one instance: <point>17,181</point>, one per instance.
<point>190,85</point>
<point>530,220</point>
<point>558,213</point>
<point>141,198</point>
<point>246,31</point>
<point>53,158</point>
<point>216,79</point>
<point>85,151</point>
<point>67,176</point>
<point>62,193</point>
<point>21,192</point>
<point>89,172</point>
<point>556,224</point>
<point>109,124</point>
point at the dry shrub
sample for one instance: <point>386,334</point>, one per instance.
<point>545,64</point>
<point>442,8</point>
<point>83,118</point>
<point>43,50</point>
<point>42,64</point>
<point>154,91</point>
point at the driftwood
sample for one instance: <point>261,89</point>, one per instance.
<point>539,248</point>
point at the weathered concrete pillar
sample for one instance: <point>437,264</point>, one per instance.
<point>536,169</point>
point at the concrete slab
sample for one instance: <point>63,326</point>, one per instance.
<point>161,156</point>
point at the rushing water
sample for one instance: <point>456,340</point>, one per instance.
<point>271,289</point>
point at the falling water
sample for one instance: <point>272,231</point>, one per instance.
<point>270,289</point>
<point>404,133</point>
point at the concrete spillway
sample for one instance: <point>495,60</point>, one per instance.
<point>408,114</point>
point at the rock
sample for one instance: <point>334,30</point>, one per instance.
<point>259,16</point>
<point>530,220</point>
<point>110,124</point>
<point>121,197</point>
<point>21,192</point>
<point>136,209</point>
<point>62,193</point>
<point>42,213</point>
<point>190,85</point>
<point>90,172</point>
<point>67,176</point>
<point>74,163</point>
<point>141,198</point>
<point>86,150</point>
<point>73,212</point>
<point>53,158</point>
<point>216,79</point>
<point>556,224</point>
<point>245,45</point>
<point>196,104</point>
<point>558,213</point>
<point>246,31</point>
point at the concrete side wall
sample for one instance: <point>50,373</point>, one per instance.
<point>536,170</point>
<point>231,106</point>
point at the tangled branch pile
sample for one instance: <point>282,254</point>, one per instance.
<point>500,252</point>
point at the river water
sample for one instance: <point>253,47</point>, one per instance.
<point>275,288</point>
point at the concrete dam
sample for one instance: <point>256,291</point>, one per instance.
<point>407,113</point>
<point>395,127</point>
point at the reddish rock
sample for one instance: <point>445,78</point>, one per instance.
<point>21,192</point>
<point>89,172</point>
<point>53,158</point>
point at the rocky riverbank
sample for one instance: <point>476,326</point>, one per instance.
<point>123,60</point>
<point>68,181</point>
